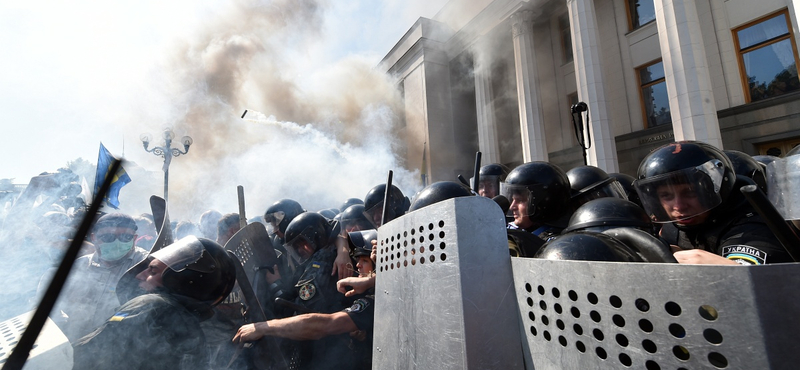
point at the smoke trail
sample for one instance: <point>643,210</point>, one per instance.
<point>250,57</point>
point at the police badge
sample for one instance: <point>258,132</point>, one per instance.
<point>307,291</point>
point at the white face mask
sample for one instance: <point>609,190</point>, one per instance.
<point>115,250</point>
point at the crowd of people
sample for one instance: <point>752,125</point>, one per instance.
<point>130,304</point>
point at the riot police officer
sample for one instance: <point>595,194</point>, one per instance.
<point>589,182</point>
<point>491,175</point>
<point>161,329</point>
<point>309,242</point>
<point>690,187</point>
<point>373,205</point>
<point>539,193</point>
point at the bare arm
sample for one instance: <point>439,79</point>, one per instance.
<point>359,285</point>
<point>701,257</point>
<point>310,326</point>
<point>342,265</point>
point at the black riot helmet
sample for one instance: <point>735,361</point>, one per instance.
<point>587,246</point>
<point>373,204</point>
<point>280,214</point>
<point>437,192</point>
<point>360,242</point>
<point>544,186</point>
<point>765,160</point>
<point>306,234</point>
<point>197,268</point>
<point>353,219</point>
<point>793,151</point>
<point>606,213</point>
<point>589,182</point>
<point>626,181</point>
<point>329,213</point>
<point>350,202</point>
<point>681,180</point>
<point>491,175</point>
<point>745,165</point>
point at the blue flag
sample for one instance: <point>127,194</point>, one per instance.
<point>120,179</point>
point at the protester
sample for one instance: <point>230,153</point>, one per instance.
<point>89,298</point>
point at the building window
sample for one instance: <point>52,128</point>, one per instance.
<point>566,38</point>
<point>640,12</point>
<point>655,101</point>
<point>767,57</point>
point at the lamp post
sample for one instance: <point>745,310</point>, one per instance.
<point>166,151</point>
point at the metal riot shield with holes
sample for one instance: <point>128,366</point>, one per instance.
<point>253,247</point>
<point>252,250</point>
<point>161,221</point>
<point>444,296</point>
<point>52,350</point>
<point>591,315</point>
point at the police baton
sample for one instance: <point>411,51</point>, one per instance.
<point>477,173</point>
<point>774,220</point>
<point>386,198</point>
<point>16,360</point>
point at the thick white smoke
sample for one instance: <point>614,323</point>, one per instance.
<point>325,135</point>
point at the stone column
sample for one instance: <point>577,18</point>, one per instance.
<point>691,100</point>
<point>531,120</point>
<point>589,75</point>
<point>487,125</point>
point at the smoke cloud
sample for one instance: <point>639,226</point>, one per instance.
<point>325,135</point>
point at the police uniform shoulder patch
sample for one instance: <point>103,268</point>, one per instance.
<point>359,305</point>
<point>744,254</point>
<point>307,291</point>
<point>119,316</point>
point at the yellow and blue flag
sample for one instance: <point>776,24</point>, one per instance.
<point>121,178</point>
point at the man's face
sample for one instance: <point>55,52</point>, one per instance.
<point>124,236</point>
<point>274,226</point>
<point>108,234</point>
<point>488,188</point>
<point>680,201</point>
<point>376,214</point>
<point>519,209</point>
<point>151,278</point>
<point>304,249</point>
<point>364,266</point>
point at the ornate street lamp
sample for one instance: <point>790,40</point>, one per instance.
<point>166,151</point>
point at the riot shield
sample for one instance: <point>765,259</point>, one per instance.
<point>128,286</point>
<point>591,315</point>
<point>251,249</point>
<point>159,208</point>
<point>444,290</point>
<point>51,351</point>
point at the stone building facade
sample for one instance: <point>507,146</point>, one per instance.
<point>501,77</point>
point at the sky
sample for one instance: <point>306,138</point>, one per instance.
<point>75,74</point>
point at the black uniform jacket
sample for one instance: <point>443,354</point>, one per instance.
<point>151,331</point>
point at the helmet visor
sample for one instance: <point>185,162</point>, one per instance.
<point>375,214</point>
<point>611,189</point>
<point>521,199</point>
<point>783,175</point>
<point>489,186</point>
<point>681,195</point>
<point>181,254</point>
<point>300,248</point>
<point>272,220</point>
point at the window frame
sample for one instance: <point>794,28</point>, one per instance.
<point>630,16</point>
<point>740,53</point>
<point>641,87</point>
